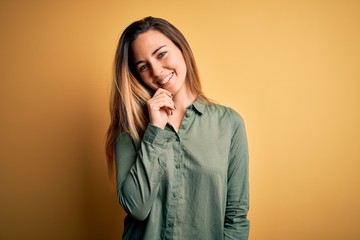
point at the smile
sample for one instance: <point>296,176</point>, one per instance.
<point>166,79</point>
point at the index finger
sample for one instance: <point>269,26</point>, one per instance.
<point>162,90</point>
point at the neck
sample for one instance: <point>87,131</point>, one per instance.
<point>183,99</point>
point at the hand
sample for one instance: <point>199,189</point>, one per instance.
<point>160,106</point>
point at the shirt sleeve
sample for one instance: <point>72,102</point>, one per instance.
<point>140,168</point>
<point>236,224</point>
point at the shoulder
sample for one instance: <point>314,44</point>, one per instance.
<point>224,112</point>
<point>124,140</point>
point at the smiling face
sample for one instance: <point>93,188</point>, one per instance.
<point>159,62</point>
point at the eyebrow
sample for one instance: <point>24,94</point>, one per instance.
<point>156,50</point>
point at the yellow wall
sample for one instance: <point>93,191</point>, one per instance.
<point>291,68</point>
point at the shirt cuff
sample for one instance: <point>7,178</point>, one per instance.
<point>158,136</point>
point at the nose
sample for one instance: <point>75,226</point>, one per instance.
<point>156,68</point>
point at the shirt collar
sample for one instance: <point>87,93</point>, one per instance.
<point>199,106</point>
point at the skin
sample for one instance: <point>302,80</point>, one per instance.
<point>161,66</point>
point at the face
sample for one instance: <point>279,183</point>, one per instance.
<point>159,62</point>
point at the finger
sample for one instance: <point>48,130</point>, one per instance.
<point>162,94</point>
<point>161,102</point>
<point>169,111</point>
<point>162,91</point>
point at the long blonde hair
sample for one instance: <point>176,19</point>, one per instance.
<point>129,94</point>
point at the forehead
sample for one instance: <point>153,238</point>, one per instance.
<point>145,44</point>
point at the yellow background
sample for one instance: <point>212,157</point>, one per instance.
<point>291,68</point>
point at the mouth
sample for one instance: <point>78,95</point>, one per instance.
<point>166,79</point>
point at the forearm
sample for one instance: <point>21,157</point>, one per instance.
<point>140,171</point>
<point>236,224</point>
<point>138,191</point>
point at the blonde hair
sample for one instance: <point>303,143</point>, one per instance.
<point>129,94</point>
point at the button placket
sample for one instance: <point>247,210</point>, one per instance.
<point>174,194</point>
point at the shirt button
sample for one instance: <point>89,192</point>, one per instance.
<point>174,195</point>
<point>177,166</point>
<point>187,115</point>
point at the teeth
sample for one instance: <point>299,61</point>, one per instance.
<point>166,79</point>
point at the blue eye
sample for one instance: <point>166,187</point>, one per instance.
<point>142,67</point>
<point>162,54</point>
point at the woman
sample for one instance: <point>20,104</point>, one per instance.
<point>181,161</point>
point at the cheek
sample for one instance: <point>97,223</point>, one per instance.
<point>182,67</point>
<point>179,64</point>
<point>145,78</point>
<point>148,81</point>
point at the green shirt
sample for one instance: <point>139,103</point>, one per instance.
<point>191,184</point>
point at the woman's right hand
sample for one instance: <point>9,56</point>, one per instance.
<point>160,106</point>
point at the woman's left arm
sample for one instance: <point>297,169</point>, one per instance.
<point>236,224</point>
